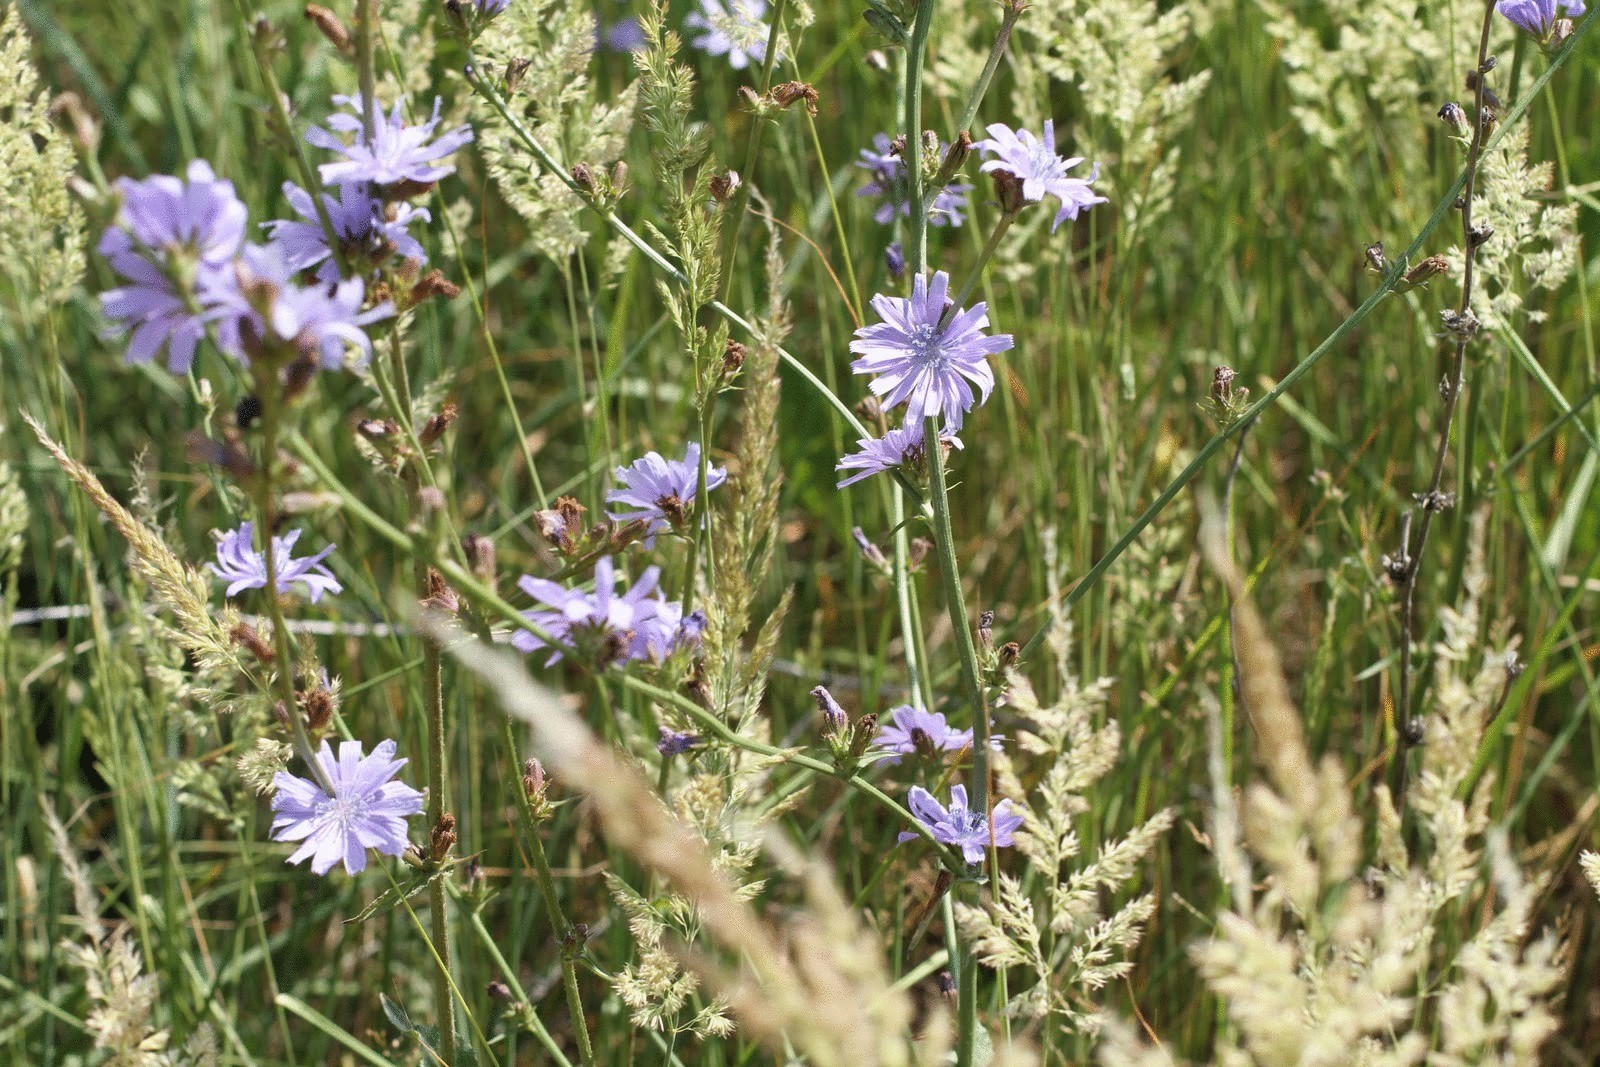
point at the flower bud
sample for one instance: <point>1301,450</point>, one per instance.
<point>442,838</point>
<point>834,720</point>
<point>1453,116</point>
<point>335,31</point>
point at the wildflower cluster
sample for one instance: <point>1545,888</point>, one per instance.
<point>609,627</point>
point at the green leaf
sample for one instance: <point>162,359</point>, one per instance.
<point>390,898</point>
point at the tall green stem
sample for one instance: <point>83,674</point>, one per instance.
<point>917,246</point>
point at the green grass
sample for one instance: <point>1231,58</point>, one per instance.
<point>1100,406</point>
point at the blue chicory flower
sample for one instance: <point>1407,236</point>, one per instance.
<point>397,152</point>
<point>889,182</point>
<point>322,321</point>
<point>675,744</point>
<point>1034,161</point>
<point>634,625</point>
<point>923,360</point>
<point>661,490</point>
<point>960,826</point>
<point>899,736</point>
<point>173,241</point>
<point>739,34</point>
<point>367,229</point>
<point>1538,17</point>
<point>366,810</point>
<point>900,446</point>
<point>624,35</point>
<point>244,567</point>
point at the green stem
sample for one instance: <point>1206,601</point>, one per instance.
<point>989,246</point>
<point>916,50</point>
<point>508,974</point>
<point>730,247</point>
<point>266,520</point>
<point>950,576</point>
<point>1008,21</point>
<point>285,130</point>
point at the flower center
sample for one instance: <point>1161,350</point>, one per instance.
<point>927,345</point>
<point>344,810</point>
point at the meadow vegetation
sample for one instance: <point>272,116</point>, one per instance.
<point>772,531</point>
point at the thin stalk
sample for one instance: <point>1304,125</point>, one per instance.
<point>1008,22</point>
<point>1432,500</point>
<point>984,256</point>
<point>266,519</point>
<point>944,541</point>
<point>567,936</point>
<point>366,65</point>
<point>285,126</point>
<point>916,51</point>
<point>730,240</point>
<point>508,974</point>
<point>439,919</point>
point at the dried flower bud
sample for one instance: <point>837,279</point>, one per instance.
<point>376,430</point>
<point>1222,384</point>
<point>498,991</point>
<point>1434,500</point>
<point>250,638</point>
<point>335,31</point>
<point>533,779</point>
<point>1397,567</point>
<point>619,178</point>
<point>438,423</point>
<point>1010,652</point>
<point>434,284</point>
<point>440,595</point>
<point>752,99</point>
<point>724,185</point>
<point>834,720</point>
<point>1431,267</point>
<point>787,93</point>
<point>862,735</point>
<point>1008,190</point>
<point>920,547</point>
<point>869,408</point>
<point>480,553</point>
<point>515,70</point>
<point>442,838</point>
<point>870,551</point>
<point>571,512</point>
<point>1463,325</point>
<point>430,499</point>
<point>954,156</point>
<point>986,628</point>
<point>319,707</point>
<point>583,177</point>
